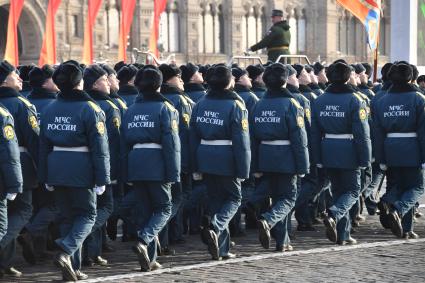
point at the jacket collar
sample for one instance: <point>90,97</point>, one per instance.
<point>41,93</point>
<point>74,95</point>
<point>305,88</point>
<point>169,89</point>
<point>240,88</point>
<point>256,86</point>
<point>405,87</point>
<point>340,88</point>
<point>151,96</point>
<point>292,88</point>
<point>283,92</point>
<point>8,92</point>
<point>98,95</point>
<point>223,94</point>
<point>314,86</point>
<point>128,90</point>
<point>189,87</point>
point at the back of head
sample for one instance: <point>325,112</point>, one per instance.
<point>5,69</point>
<point>318,67</point>
<point>188,71</point>
<point>168,71</point>
<point>415,72</point>
<point>218,77</point>
<point>38,76</point>
<point>254,71</point>
<point>91,75</point>
<point>24,71</point>
<point>126,74</point>
<point>119,65</point>
<point>339,73</point>
<point>275,76</point>
<point>148,79</point>
<point>384,71</point>
<point>67,76</point>
<point>400,73</point>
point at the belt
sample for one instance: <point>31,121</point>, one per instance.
<point>284,47</point>
<point>339,136</point>
<point>276,142</point>
<point>147,145</point>
<point>216,142</point>
<point>402,135</point>
<point>114,182</point>
<point>71,149</point>
<point>23,149</point>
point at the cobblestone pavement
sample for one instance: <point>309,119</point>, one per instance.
<point>379,257</point>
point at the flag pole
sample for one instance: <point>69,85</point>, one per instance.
<point>375,63</point>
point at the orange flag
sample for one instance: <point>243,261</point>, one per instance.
<point>94,6</point>
<point>127,8</point>
<point>48,51</point>
<point>12,49</point>
<point>159,7</point>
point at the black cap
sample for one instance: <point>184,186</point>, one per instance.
<point>359,68</point>
<point>277,13</point>
<point>5,69</point>
<point>91,75</point>
<point>384,71</point>
<point>24,71</point>
<point>299,68</point>
<point>339,72</point>
<point>275,76</point>
<point>254,71</point>
<point>188,71</point>
<point>38,76</point>
<point>168,71</point>
<point>421,79</point>
<point>238,73</point>
<point>148,79</point>
<point>67,76</point>
<point>291,70</point>
<point>218,77</point>
<point>415,72</point>
<point>400,73</point>
<point>318,67</point>
<point>126,73</point>
<point>119,65</point>
<point>368,68</point>
<point>108,69</point>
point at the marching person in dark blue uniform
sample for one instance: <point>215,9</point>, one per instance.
<point>115,87</point>
<point>341,144</point>
<point>97,85</point>
<point>127,90</point>
<point>74,162</point>
<point>243,88</point>
<point>10,170</point>
<point>193,82</point>
<point>279,152</point>
<point>151,152</point>
<point>314,85</point>
<point>220,152</point>
<point>400,146</point>
<point>27,130</point>
<point>364,80</point>
<point>320,72</point>
<point>255,73</point>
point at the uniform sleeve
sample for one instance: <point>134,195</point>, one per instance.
<point>124,150</point>
<point>170,140</point>
<point>255,143</point>
<point>113,123</point>
<point>10,164</point>
<point>316,138</point>
<point>98,145</point>
<point>194,141</point>
<point>361,132</point>
<point>44,150</point>
<point>298,138</point>
<point>265,42</point>
<point>420,110</point>
<point>241,142</point>
<point>30,130</point>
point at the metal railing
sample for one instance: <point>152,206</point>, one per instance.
<point>293,59</point>
<point>244,61</point>
<point>147,57</point>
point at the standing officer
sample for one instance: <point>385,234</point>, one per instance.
<point>127,90</point>
<point>279,151</point>
<point>27,130</point>
<point>277,39</point>
<point>74,162</point>
<point>220,152</point>
<point>150,134</point>
<point>400,146</point>
<point>10,170</point>
<point>341,144</point>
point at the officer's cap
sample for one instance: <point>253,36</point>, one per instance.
<point>38,76</point>
<point>299,68</point>
<point>318,67</point>
<point>119,65</point>
<point>277,13</point>
<point>108,69</point>
<point>238,73</point>
<point>168,71</point>
<point>5,69</point>
<point>339,72</point>
<point>126,73</point>
<point>67,76</point>
<point>275,76</point>
<point>24,71</point>
<point>148,79</point>
<point>254,71</point>
<point>91,75</point>
<point>218,77</point>
<point>188,71</point>
<point>400,73</point>
<point>359,68</point>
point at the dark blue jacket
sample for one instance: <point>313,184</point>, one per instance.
<point>10,164</point>
<point>279,117</point>
<point>113,124</point>
<point>340,111</point>
<point>365,89</point>
<point>258,89</point>
<point>41,98</point>
<point>316,89</point>
<point>308,93</point>
<point>74,120</point>
<point>304,102</point>
<point>184,106</point>
<point>152,119</point>
<point>247,95</point>
<point>221,115</point>
<point>195,91</point>
<point>27,131</point>
<point>26,89</point>
<point>128,93</point>
<point>122,105</point>
<point>400,111</point>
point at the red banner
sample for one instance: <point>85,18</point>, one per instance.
<point>159,7</point>
<point>94,6</point>
<point>11,53</point>
<point>48,51</point>
<point>127,8</point>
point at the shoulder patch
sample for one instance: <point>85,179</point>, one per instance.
<point>296,103</point>
<point>25,101</point>
<point>189,100</point>
<point>112,105</point>
<point>8,132</point>
<point>122,103</point>
<point>169,106</point>
<point>4,112</point>
<point>241,105</point>
<point>184,100</point>
<point>94,106</point>
<point>313,95</point>
<point>32,120</point>
<point>420,94</point>
<point>358,96</point>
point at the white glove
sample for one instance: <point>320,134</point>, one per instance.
<point>383,167</point>
<point>319,165</point>
<point>49,188</point>
<point>11,197</point>
<point>99,190</point>
<point>197,176</point>
<point>423,166</point>
<point>240,180</point>
<point>258,175</point>
<point>362,168</point>
<point>301,175</point>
